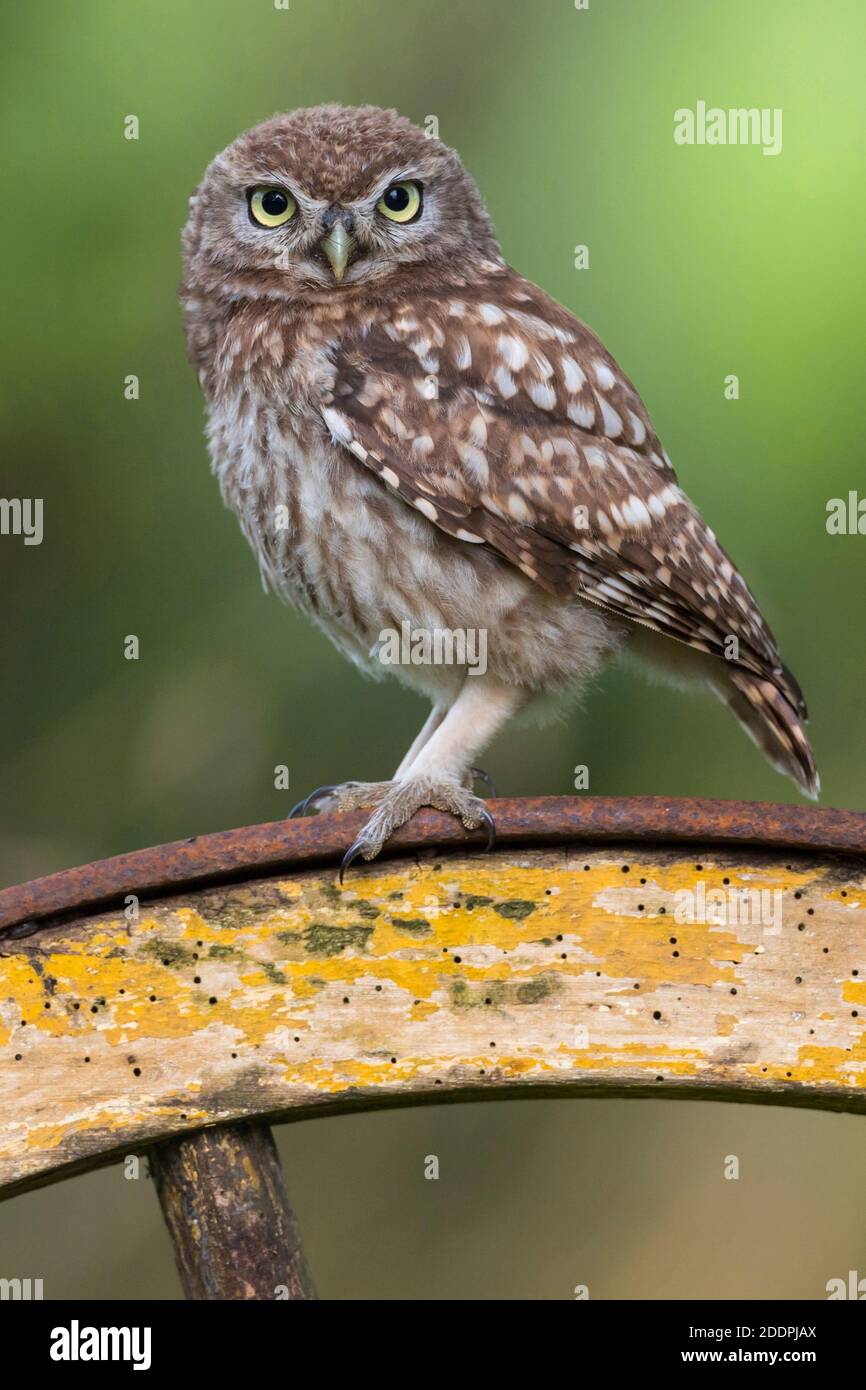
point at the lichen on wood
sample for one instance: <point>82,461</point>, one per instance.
<point>562,970</point>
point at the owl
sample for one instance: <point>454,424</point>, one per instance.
<point>417,440</point>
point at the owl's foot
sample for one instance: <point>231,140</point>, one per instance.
<point>403,799</point>
<point>344,796</point>
<point>351,796</point>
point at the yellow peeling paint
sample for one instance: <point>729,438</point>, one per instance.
<point>820,1064</point>
<point>520,967</point>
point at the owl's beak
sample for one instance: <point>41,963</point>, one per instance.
<point>337,246</point>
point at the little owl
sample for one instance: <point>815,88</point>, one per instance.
<point>409,432</point>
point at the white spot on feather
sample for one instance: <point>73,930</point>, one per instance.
<point>604,376</point>
<point>337,425</point>
<point>462,354</point>
<point>635,512</point>
<point>491,314</point>
<point>505,383</point>
<point>518,508</point>
<point>572,374</point>
<point>581,414</point>
<point>512,351</point>
<point>474,461</point>
<point>638,429</point>
<point>543,395</point>
<point>610,420</point>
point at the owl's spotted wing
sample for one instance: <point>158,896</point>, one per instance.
<point>504,421</point>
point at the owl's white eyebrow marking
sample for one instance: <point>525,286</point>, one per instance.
<point>395,176</point>
<point>279,179</point>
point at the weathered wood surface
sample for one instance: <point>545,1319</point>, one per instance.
<point>234,1234</point>
<point>536,971</point>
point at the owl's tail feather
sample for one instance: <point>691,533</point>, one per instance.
<point>772,722</point>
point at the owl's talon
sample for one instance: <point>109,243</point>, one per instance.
<point>479,775</point>
<point>490,824</point>
<point>342,796</point>
<point>352,853</point>
<point>300,809</point>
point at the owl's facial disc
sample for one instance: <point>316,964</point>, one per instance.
<point>333,200</point>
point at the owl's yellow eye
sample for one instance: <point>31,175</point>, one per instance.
<point>401,202</point>
<point>271,207</point>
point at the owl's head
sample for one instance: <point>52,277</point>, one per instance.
<point>331,199</point>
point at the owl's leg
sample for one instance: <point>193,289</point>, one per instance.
<point>437,775</point>
<point>437,714</point>
<point>431,724</point>
<point>350,796</point>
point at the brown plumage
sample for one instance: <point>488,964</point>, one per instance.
<point>409,431</point>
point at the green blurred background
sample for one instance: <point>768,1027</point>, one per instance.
<point>704,262</point>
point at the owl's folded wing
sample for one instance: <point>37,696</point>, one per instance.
<point>508,424</point>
